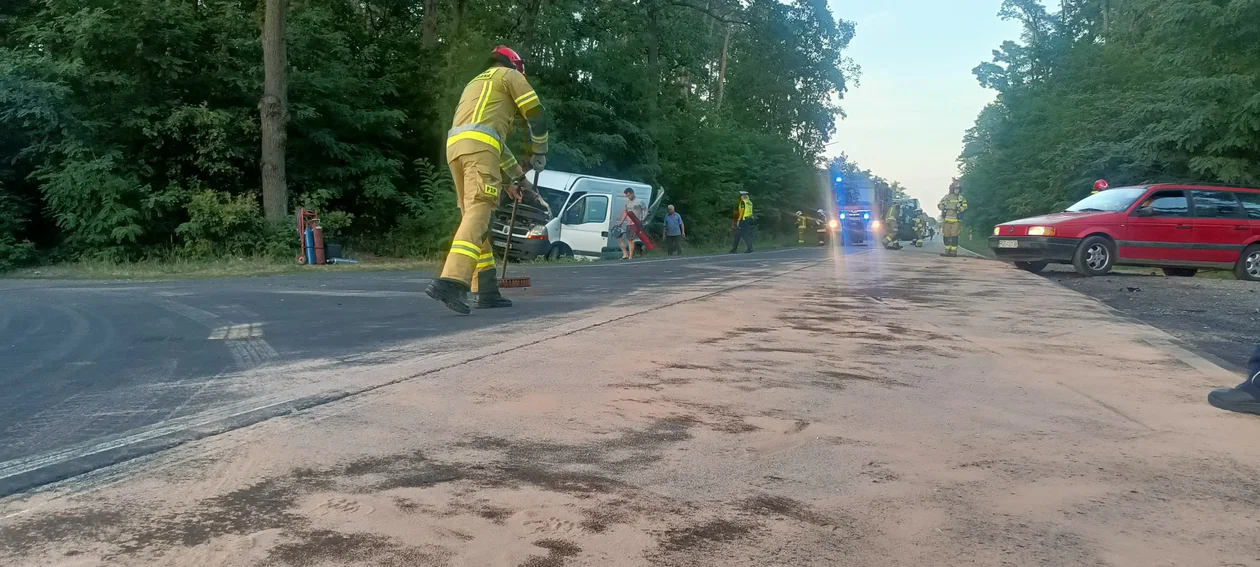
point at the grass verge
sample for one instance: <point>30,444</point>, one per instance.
<point>978,243</point>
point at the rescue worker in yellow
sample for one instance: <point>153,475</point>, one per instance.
<point>952,207</point>
<point>920,229</point>
<point>741,223</point>
<point>891,227</point>
<point>476,152</point>
<point>802,223</point>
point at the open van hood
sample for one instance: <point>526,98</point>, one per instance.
<point>656,203</point>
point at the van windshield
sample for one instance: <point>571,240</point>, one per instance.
<point>555,199</point>
<point>1111,200</point>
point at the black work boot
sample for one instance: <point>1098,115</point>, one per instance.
<point>1244,398</point>
<point>452,293</point>
<point>488,296</point>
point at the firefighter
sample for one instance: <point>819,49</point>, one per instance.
<point>920,229</point>
<point>801,224</point>
<point>890,227</point>
<point>824,226</point>
<point>475,152</point>
<point>1100,185</point>
<point>952,207</point>
<point>741,223</point>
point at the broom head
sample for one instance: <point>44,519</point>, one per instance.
<point>514,282</point>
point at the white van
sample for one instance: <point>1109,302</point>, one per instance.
<point>577,219</point>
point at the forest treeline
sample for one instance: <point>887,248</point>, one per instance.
<point>1131,91</point>
<point>130,130</point>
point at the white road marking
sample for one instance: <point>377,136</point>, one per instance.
<point>237,332</point>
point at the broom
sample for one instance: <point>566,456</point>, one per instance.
<point>505,281</point>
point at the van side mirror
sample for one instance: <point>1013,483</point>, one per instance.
<point>1146,212</point>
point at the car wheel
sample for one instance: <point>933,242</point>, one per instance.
<point>1248,267</point>
<point>559,250</point>
<point>1180,272</point>
<point>1094,257</point>
<point>1034,267</point>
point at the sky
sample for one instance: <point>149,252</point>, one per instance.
<point>917,96</point>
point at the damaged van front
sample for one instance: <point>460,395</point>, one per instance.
<point>573,217</point>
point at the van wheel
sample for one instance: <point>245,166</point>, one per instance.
<point>1094,257</point>
<point>1180,272</point>
<point>1033,267</point>
<point>1248,267</point>
<point>559,250</point>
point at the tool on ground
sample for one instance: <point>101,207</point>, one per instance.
<point>505,281</point>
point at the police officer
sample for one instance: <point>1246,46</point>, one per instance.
<point>891,226</point>
<point>475,152</point>
<point>741,223</point>
<point>952,207</point>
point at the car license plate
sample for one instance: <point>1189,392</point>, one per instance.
<point>1008,244</point>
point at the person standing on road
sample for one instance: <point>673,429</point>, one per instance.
<point>1245,397</point>
<point>741,223</point>
<point>474,152</point>
<point>801,224</point>
<point>952,207</point>
<point>633,207</point>
<point>675,232</point>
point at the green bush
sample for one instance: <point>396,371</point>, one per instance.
<point>221,224</point>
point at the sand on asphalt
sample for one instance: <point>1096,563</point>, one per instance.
<point>881,409</point>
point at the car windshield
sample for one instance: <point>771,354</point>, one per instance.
<point>1111,200</point>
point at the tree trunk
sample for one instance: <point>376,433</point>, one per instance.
<point>457,17</point>
<point>428,24</point>
<point>530,25</point>
<point>726,44</point>
<point>274,111</point>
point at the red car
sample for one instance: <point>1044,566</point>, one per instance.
<point>1180,228</point>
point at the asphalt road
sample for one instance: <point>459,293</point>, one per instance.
<point>88,364</point>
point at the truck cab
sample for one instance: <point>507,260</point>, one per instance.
<point>573,219</point>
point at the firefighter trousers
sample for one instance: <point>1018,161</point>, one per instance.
<point>477,182</point>
<point>950,231</point>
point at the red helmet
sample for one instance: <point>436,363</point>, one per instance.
<point>505,54</point>
<point>1100,185</point>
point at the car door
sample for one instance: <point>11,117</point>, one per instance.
<point>1160,229</point>
<point>585,225</point>
<point>1220,226</point>
<point>1251,205</point>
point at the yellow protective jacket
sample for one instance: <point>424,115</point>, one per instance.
<point>486,110</point>
<point>951,206</point>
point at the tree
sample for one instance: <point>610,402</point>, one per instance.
<point>1133,91</point>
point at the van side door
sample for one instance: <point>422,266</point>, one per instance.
<point>585,225</point>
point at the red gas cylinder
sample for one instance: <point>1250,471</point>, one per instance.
<point>319,244</point>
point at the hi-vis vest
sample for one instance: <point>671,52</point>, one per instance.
<point>486,110</point>
<point>802,222</point>
<point>745,209</point>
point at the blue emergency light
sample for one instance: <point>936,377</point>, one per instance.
<point>866,216</point>
<point>842,216</point>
